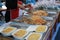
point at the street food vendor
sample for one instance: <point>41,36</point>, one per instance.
<point>16,11</point>
<point>13,13</point>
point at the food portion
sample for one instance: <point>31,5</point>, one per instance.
<point>34,36</point>
<point>38,19</point>
<point>34,19</point>
<point>24,19</point>
<point>40,13</point>
<point>20,33</point>
<point>41,28</point>
<point>8,30</point>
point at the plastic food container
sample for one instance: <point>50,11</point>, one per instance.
<point>20,34</point>
<point>8,30</point>
<point>1,28</point>
<point>41,28</point>
<point>37,28</point>
<point>31,28</point>
<point>34,36</point>
<point>4,26</point>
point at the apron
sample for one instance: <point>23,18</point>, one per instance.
<point>15,12</point>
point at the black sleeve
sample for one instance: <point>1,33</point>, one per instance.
<point>7,16</point>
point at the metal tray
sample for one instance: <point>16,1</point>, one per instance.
<point>19,25</point>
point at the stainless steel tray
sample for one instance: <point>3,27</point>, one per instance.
<point>19,25</point>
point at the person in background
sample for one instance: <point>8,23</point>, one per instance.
<point>30,1</point>
<point>1,9</point>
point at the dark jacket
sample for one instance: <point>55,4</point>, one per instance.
<point>11,4</point>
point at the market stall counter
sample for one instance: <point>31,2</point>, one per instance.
<point>31,25</point>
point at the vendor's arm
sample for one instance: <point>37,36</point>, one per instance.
<point>20,5</point>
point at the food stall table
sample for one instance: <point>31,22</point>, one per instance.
<point>52,28</point>
<point>48,34</point>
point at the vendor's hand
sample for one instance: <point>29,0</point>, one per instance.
<point>21,6</point>
<point>28,6</point>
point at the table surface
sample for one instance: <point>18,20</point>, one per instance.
<point>51,27</point>
<point>47,34</point>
